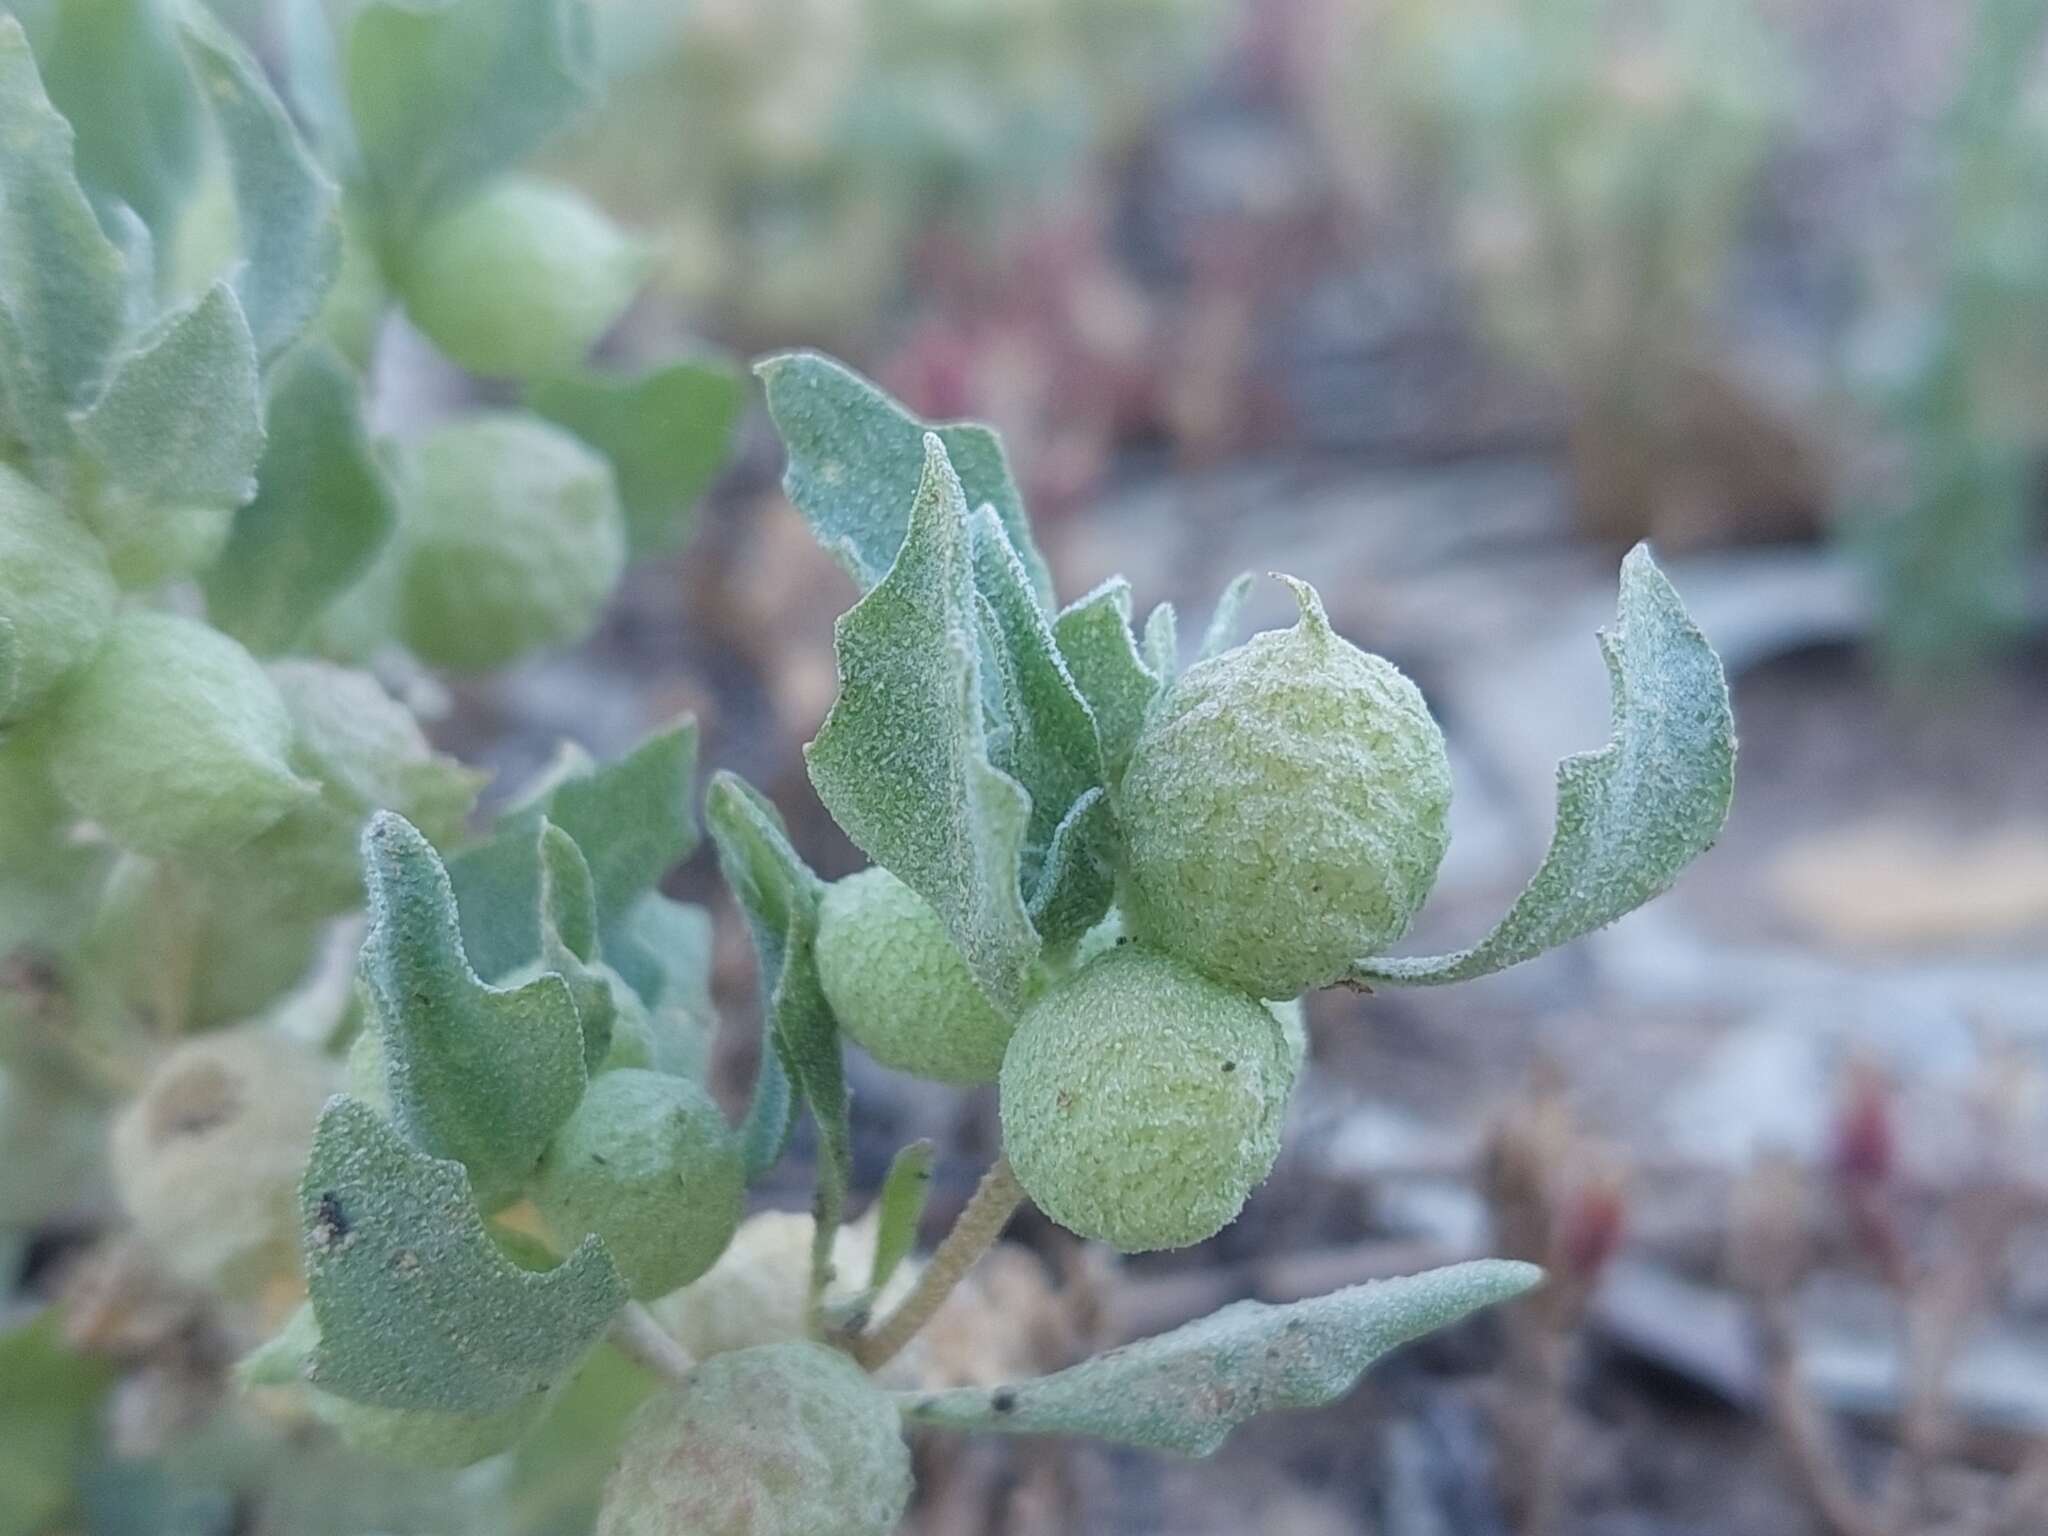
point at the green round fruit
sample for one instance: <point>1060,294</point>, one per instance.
<point>56,594</point>
<point>366,753</point>
<point>174,740</point>
<point>900,988</point>
<point>512,538</point>
<point>1285,810</point>
<point>207,1158</point>
<point>522,280</point>
<point>424,1437</point>
<point>649,1164</point>
<point>782,1440</point>
<point>1142,1102</point>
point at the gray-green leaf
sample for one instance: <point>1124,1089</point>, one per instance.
<point>1222,632</point>
<point>323,508</point>
<point>1631,815</point>
<point>479,1074</point>
<point>1094,635</point>
<point>1162,643</point>
<point>1185,1391</point>
<point>417,1307</point>
<point>568,939</point>
<point>857,458</point>
<point>180,422</point>
<point>666,432</point>
<point>446,95</point>
<point>1078,880</point>
<point>63,284</point>
<point>286,205</point>
<point>903,762</point>
<point>901,1207</point>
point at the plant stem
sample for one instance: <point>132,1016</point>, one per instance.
<point>645,1342</point>
<point>980,1223</point>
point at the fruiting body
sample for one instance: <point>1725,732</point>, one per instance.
<point>1285,810</point>
<point>900,988</point>
<point>649,1164</point>
<point>522,280</point>
<point>56,593</point>
<point>1143,1102</point>
<point>784,1440</point>
<point>207,1158</point>
<point>173,740</point>
<point>512,538</point>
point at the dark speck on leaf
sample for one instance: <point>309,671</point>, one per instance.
<point>1003,1401</point>
<point>599,1160</point>
<point>1230,1066</point>
<point>330,1221</point>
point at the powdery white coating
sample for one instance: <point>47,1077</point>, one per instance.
<point>56,593</point>
<point>206,1159</point>
<point>174,740</point>
<point>1285,810</point>
<point>784,1440</point>
<point>649,1164</point>
<point>900,988</point>
<point>1142,1102</point>
<point>522,280</point>
<point>512,538</point>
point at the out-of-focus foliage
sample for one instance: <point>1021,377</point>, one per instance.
<point>790,154</point>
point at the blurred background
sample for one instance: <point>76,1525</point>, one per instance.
<point>1441,304</point>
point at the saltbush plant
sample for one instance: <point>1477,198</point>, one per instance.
<point>1099,880</point>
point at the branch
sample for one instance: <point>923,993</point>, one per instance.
<point>645,1342</point>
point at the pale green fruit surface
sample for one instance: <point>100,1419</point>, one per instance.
<point>148,544</point>
<point>783,1440</point>
<point>367,753</point>
<point>512,538</point>
<point>649,1164</point>
<point>207,1158</point>
<point>174,740</point>
<point>900,988</point>
<point>1285,810</point>
<point>1142,1103</point>
<point>56,592</point>
<point>522,280</point>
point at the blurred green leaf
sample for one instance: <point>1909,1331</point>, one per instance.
<point>477,1073</point>
<point>1631,815</point>
<point>559,1471</point>
<point>180,422</point>
<point>287,206</point>
<point>49,1396</point>
<point>1095,638</point>
<point>1185,1391</point>
<point>63,284</point>
<point>901,1203</point>
<point>666,432</point>
<point>903,760</point>
<point>417,1307</point>
<point>446,95</point>
<point>1222,632</point>
<point>857,459</point>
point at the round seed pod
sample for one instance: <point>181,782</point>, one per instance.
<point>522,280</point>
<point>56,593</point>
<point>512,538</point>
<point>783,1440</point>
<point>174,740</point>
<point>649,1164</point>
<point>1285,810</point>
<point>366,753</point>
<point>1142,1102</point>
<point>207,1158</point>
<point>1293,1019</point>
<point>900,988</point>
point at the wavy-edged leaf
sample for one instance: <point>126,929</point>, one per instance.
<point>180,422</point>
<point>1222,632</point>
<point>113,69</point>
<point>857,458</point>
<point>323,508</point>
<point>1186,1390</point>
<point>1094,634</point>
<point>418,1308</point>
<point>633,822</point>
<point>63,283</point>
<point>445,94</point>
<point>902,761</point>
<point>666,431</point>
<point>476,1073</point>
<point>1052,748</point>
<point>1631,815</point>
<point>286,205</point>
